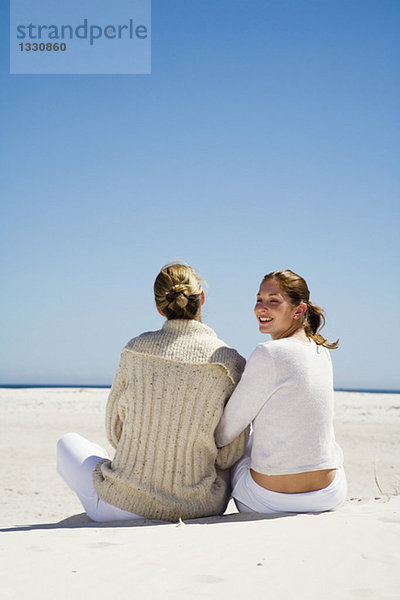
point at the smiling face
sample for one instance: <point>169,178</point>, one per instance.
<point>275,313</point>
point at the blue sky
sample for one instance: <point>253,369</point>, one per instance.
<point>266,137</point>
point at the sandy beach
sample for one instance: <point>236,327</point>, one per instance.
<point>50,549</point>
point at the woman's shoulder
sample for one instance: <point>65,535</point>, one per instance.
<point>291,352</point>
<point>272,348</point>
<point>280,351</point>
<point>231,360</point>
<point>144,337</point>
<point>188,342</point>
<point>221,353</point>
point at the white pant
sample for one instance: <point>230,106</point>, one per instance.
<point>251,497</point>
<point>76,461</point>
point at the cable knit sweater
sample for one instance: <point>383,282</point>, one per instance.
<point>165,403</point>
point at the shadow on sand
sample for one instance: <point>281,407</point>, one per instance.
<point>82,521</point>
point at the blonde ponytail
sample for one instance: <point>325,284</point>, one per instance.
<point>313,321</point>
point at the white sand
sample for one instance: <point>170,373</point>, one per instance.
<point>51,550</point>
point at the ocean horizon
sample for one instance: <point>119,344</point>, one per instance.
<point>91,386</point>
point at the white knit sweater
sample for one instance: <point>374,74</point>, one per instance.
<point>286,391</point>
<point>165,403</point>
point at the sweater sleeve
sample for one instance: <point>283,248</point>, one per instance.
<point>254,389</point>
<point>115,410</point>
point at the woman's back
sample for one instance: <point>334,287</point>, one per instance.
<point>167,398</point>
<point>293,431</point>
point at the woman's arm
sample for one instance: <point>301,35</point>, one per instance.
<point>229,454</point>
<point>253,390</point>
<point>115,410</point>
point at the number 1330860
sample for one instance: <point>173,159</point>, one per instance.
<point>42,47</point>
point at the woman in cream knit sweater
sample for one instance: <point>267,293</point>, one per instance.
<point>165,403</point>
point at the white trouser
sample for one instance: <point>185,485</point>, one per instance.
<point>251,497</point>
<point>76,461</point>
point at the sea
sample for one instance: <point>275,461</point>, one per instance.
<point>18,386</point>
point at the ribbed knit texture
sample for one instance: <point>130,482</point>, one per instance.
<point>166,400</point>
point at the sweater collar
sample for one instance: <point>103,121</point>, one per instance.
<point>187,325</point>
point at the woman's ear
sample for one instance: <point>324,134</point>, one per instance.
<point>300,311</point>
<point>203,297</point>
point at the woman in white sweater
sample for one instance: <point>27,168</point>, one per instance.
<point>292,463</point>
<point>166,400</point>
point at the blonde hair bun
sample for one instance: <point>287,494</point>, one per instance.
<point>177,291</point>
